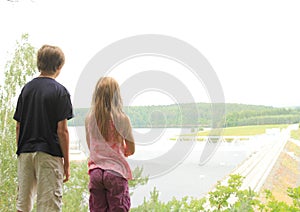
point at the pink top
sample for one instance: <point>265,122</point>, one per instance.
<point>107,155</point>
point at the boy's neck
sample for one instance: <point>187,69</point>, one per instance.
<point>53,76</point>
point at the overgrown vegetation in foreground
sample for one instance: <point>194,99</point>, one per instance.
<point>21,65</point>
<point>224,198</point>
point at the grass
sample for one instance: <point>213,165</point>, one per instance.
<point>293,148</point>
<point>283,175</point>
<point>296,134</point>
<point>237,131</point>
<point>246,130</point>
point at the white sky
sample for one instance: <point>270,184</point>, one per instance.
<point>253,46</point>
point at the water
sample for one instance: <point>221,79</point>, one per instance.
<point>189,178</point>
<point>173,166</point>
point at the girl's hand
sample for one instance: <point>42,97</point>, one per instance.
<point>129,148</point>
<point>125,149</point>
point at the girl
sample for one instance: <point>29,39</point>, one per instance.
<point>110,140</point>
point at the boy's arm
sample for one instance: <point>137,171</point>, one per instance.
<point>63,136</point>
<point>17,132</point>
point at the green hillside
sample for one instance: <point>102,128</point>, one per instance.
<point>200,115</point>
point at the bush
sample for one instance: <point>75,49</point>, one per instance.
<point>223,198</point>
<point>21,66</point>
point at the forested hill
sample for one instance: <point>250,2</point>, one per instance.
<point>199,115</point>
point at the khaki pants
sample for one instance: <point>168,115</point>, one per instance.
<point>40,175</point>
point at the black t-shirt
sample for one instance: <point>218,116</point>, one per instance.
<point>43,102</point>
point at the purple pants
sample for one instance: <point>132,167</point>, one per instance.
<point>108,191</point>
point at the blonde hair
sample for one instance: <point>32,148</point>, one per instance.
<point>106,103</point>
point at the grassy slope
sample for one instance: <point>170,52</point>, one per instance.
<point>245,130</point>
<point>285,172</point>
<point>296,134</point>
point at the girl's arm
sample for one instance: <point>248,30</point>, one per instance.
<point>129,140</point>
<point>123,127</point>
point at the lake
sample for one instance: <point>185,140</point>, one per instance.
<point>173,166</point>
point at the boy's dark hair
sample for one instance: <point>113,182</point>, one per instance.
<point>50,59</point>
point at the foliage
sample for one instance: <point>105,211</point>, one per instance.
<point>75,196</point>
<point>294,193</point>
<point>138,179</point>
<point>278,206</point>
<point>21,66</point>
<point>247,201</point>
<point>227,198</point>
<point>220,196</point>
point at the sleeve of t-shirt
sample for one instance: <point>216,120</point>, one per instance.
<point>64,108</point>
<point>17,115</point>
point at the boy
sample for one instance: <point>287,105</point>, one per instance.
<point>43,108</point>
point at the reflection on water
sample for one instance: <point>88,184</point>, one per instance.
<point>173,166</point>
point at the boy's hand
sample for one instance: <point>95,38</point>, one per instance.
<point>66,172</point>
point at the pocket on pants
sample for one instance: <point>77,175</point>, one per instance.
<point>119,198</point>
<point>58,192</point>
<point>126,198</point>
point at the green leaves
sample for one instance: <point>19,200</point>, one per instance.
<point>219,198</point>
<point>16,72</point>
<point>76,194</point>
<point>138,179</point>
<point>294,193</point>
<point>225,197</point>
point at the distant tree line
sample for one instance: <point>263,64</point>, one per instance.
<point>200,115</point>
<point>261,115</point>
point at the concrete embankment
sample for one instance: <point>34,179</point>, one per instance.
<point>258,165</point>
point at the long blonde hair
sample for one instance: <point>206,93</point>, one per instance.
<point>106,103</point>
